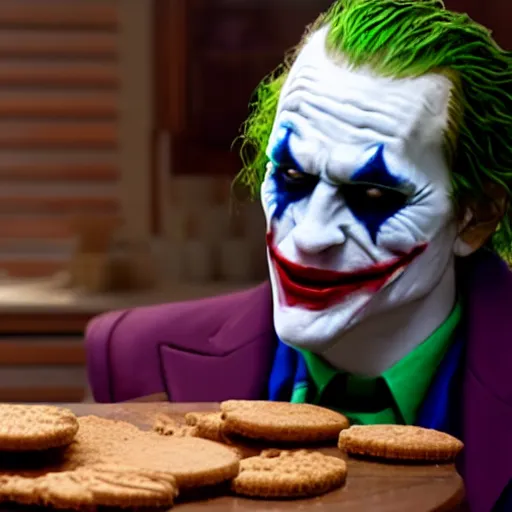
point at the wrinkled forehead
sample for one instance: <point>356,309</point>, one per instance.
<point>358,101</point>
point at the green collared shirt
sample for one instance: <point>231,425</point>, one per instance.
<point>397,394</point>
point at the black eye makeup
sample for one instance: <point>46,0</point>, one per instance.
<point>291,186</point>
<point>293,177</point>
<point>372,204</point>
<point>375,196</point>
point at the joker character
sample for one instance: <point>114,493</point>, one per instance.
<point>382,154</point>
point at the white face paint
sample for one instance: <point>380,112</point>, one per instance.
<point>357,184</point>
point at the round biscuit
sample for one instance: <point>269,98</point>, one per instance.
<point>193,461</point>
<point>97,486</point>
<point>399,442</point>
<point>289,474</point>
<point>35,427</point>
<point>281,421</point>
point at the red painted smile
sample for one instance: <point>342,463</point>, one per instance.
<point>317,289</point>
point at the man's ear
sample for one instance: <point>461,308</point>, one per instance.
<point>480,220</point>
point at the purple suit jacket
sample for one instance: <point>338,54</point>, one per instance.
<point>220,348</point>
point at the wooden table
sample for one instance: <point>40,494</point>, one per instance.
<point>370,486</point>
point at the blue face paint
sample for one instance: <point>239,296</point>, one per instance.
<point>371,209</point>
<point>288,189</point>
<point>281,154</point>
<point>374,194</point>
<point>376,172</point>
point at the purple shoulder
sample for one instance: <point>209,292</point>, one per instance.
<point>165,348</point>
<point>487,394</point>
<point>488,297</point>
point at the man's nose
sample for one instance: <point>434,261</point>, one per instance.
<point>321,226</point>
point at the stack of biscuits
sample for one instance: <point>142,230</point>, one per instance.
<point>256,449</point>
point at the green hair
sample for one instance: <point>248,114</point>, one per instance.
<point>409,38</point>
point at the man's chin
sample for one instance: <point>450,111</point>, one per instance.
<point>317,331</point>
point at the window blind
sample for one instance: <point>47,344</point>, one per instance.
<point>59,102</point>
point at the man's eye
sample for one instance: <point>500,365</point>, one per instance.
<point>374,193</point>
<point>294,175</point>
<point>292,178</point>
<point>372,197</point>
<point>382,194</point>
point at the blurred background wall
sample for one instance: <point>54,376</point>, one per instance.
<point>121,114</point>
<point>116,124</point>
<point>208,57</point>
<point>61,89</point>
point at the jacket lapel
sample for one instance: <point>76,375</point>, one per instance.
<point>234,361</point>
<point>487,386</point>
